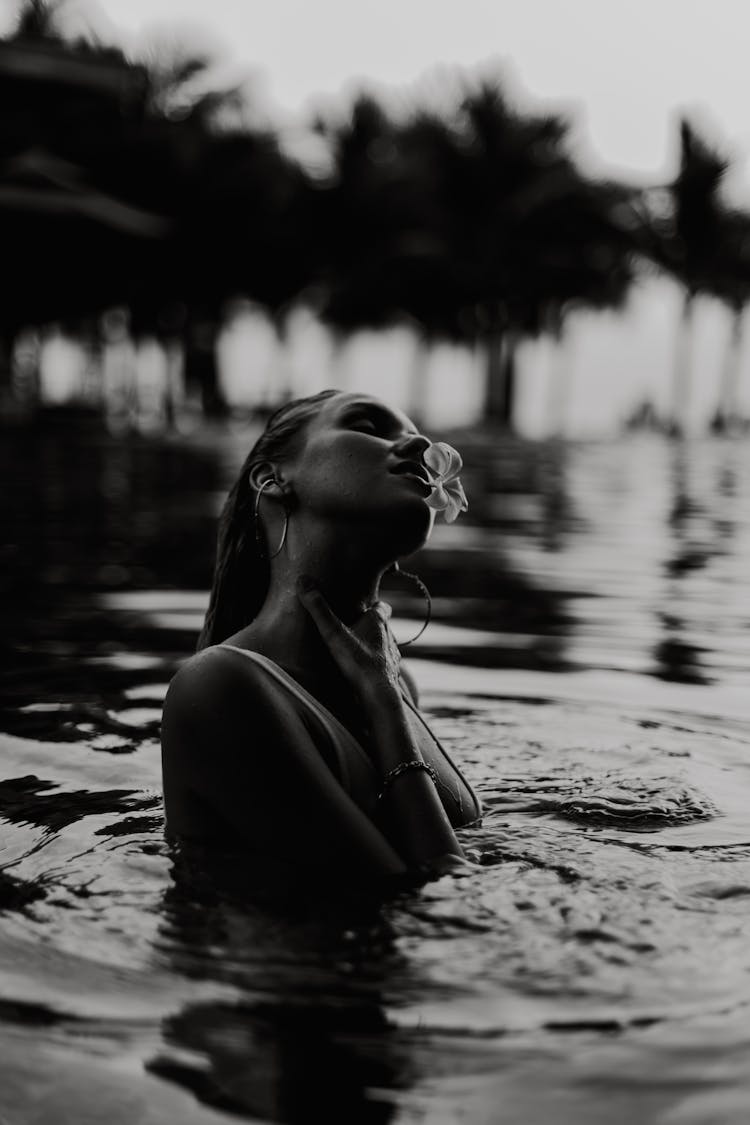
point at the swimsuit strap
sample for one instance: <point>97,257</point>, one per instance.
<point>335,730</point>
<point>338,734</point>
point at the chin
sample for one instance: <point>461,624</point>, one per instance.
<point>411,528</point>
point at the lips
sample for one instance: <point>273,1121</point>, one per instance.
<point>414,471</point>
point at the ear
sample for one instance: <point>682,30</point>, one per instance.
<point>264,471</point>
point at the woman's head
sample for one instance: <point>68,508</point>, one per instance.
<point>333,459</point>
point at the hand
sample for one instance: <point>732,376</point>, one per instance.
<point>366,653</point>
<point>415,820</point>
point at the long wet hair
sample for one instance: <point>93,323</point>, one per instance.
<point>241,573</point>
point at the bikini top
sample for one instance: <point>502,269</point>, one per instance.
<point>351,763</point>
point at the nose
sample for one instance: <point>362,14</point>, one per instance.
<point>411,445</point>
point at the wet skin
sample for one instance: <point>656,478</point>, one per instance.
<point>233,748</point>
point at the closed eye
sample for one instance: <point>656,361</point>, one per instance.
<point>373,419</point>
<point>364,425</point>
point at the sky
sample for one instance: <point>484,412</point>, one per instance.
<point>621,70</point>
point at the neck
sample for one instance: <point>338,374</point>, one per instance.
<point>348,574</point>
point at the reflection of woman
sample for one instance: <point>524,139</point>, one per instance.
<point>305,1035</point>
<point>295,1062</point>
<point>292,733</point>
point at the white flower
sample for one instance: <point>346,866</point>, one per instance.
<point>444,463</point>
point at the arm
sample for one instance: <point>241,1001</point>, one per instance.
<point>229,740</point>
<point>412,812</point>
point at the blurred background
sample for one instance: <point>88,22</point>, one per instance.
<point>531,219</point>
<point>527,224</point>
<point>531,231</point>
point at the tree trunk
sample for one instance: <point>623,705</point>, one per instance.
<point>7,340</point>
<point>509,375</point>
<point>495,401</point>
<point>201,369</point>
<point>727,411</point>
<point>5,363</point>
<point>682,376</point>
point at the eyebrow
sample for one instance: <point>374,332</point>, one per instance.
<point>382,413</point>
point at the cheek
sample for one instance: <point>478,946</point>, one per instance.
<point>339,467</point>
<point>331,480</point>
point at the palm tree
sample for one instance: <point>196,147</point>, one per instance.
<point>536,237</point>
<point>386,246</point>
<point>474,227</point>
<point>155,143</point>
<point>38,19</point>
<point>356,219</point>
<point>686,229</point>
<point>693,253</point>
<point>181,84</point>
<point>55,206</point>
<point>357,222</point>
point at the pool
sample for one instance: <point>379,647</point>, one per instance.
<point>588,669</point>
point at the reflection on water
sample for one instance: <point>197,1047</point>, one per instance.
<point>587,667</point>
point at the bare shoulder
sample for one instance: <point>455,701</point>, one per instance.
<point>214,676</point>
<point>228,737</point>
<point>215,698</point>
<point>237,756</point>
<point>225,726</point>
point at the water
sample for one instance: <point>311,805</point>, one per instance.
<point>588,669</point>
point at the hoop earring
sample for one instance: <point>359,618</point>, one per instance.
<point>425,594</point>
<point>256,509</point>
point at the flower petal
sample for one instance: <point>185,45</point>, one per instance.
<point>438,499</point>
<point>437,457</point>
<point>456,464</point>
<point>451,511</point>
<point>457,502</point>
<point>456,489</point>
<point>444,463</point>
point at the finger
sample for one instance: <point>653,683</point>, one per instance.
<point>383,610</point>
<point>374,631</point>
<point>372,626</point>
<point>375,618</point>
<point>331,628</point>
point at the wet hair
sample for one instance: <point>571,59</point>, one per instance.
<point>241,573</point>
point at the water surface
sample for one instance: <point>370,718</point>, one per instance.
<point>588,669</point>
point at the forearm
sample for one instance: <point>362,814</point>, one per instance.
<point>411,811</point>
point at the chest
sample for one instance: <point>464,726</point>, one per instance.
<point>354,759</point>
<point>363,777</point>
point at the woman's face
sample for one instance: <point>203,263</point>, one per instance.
<point>362,462</point>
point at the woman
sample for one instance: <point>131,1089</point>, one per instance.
<point>292,734</point>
